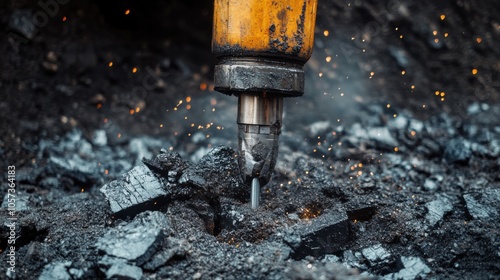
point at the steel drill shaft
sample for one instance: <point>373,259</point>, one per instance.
<point>255,193</point>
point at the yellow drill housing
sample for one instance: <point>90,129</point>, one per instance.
<point>264,28</point>
<point>274,38</point>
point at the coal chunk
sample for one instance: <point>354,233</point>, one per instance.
<point>56,270</point>
<point>458,150</point>
<point>317,237</point>
<point>117,268</point>
<point>328,270</point>
<point>414,268</point>
<point>381,136</point>
<point>436,209</point>
<point>168,164</point>
<point>21,204</point>
<point>138,240</point>
<point>74,167</point>
<point>21,22</point>
<point>134,191</point>
<point>216,174</point>
<point>376,255</point>
<point>173,247</point>
<point>483,205</point>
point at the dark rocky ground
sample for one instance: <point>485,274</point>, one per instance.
<point>389,166</point>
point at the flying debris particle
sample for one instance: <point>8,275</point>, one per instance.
<point>110,64</point>
<point>478,40</point>
<point>442,16</point>
<point>127,12</point>
<point>474,71</point>
<point>64,19</point>
<point>403,72</point>
<point>134,70</point>
<point>326,33</point>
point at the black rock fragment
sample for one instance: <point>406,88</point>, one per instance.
<point>483,205</point>
<point>136,190</point>
<point>353,259</point>
<point>458,150</point>
<point>74,167</point>
<point>117,268</point>
<point>56,270</point>
<point>378,259</point>
<point>137,240</point>
<point>317,237</point>
<point>329,270</point>
<point>216,174</point>
<point>173,247</point>
<point>380,137</point>
<point>168,164</point>
<point>437,208</point>
<point>21,21</point>
<point>376,255</point>
<point>414,268</point>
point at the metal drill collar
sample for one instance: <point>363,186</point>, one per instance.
<point>254,74</point>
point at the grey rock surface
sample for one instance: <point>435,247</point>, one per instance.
<point>436,209</point>
<point>56,271</point>
<point>117,268</point>
<point>483,205</point>
<point>137,240</point>
<point>137,188</point>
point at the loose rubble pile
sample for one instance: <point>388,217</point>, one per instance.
<point>359,210</point>
<point>389,166</point>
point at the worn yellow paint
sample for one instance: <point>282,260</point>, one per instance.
<point>264,27</point>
